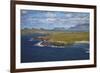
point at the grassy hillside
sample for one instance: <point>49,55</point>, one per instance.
<point>68,37</point>
<point>59,37</point>
<point>31,31</point>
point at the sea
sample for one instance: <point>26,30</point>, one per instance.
<point>32,53</point>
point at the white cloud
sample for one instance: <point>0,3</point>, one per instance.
<point>24,12</point>
<point>68,15</point>
<point>50,19</point>
<point>50,15</point>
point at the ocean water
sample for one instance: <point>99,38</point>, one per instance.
<point>31,53</point>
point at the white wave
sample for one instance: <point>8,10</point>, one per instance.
<point>39,44</point>
<point>87,52</point>
<point>82,42</point>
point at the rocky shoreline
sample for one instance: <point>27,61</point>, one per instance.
<point>60,45</point>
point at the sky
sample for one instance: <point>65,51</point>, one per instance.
<point>52,19</point>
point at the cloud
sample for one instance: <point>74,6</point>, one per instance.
<point>24,11</point>
<point>50,14</point>
<point>68,15</point>
<point>51,19</point>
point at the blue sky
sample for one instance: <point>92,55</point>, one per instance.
<point>52,19</point>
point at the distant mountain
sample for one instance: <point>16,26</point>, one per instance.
<point>59,29</point>
<point>80,27</point>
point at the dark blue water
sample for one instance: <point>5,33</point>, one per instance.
<point>31,53</point>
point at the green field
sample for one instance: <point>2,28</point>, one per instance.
<point>59,37</point>
<point>68,37</point>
